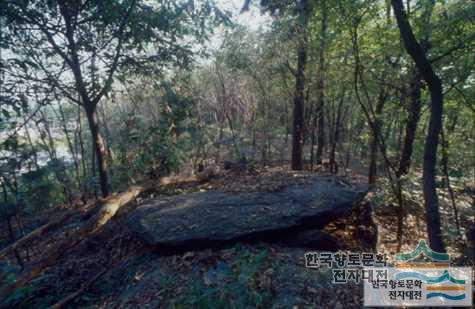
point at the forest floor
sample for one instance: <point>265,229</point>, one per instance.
<point>241,275</point>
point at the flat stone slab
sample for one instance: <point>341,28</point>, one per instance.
<point>212,217</point>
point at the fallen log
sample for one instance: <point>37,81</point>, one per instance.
<point>58,221</point>
<point>42,230</point>
<point>204,219</point>
<point>108,209</point>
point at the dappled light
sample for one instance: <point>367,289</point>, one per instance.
<point>237,153</point>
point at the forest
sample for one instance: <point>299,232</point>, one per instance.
<point>190,153</point>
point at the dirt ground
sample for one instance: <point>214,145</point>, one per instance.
<point>238,276</point>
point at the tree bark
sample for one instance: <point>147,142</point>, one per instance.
<point>107,135</point>
<point>336,136</point>
<point>320,86</point>
<point>414,112</point>
<point>373,163</point>
<point>445,170</point>
<point>98,147</point>
<point>312,142</point>
<point>299,96</point>
<point>79,141</point>
<point>435,123</point>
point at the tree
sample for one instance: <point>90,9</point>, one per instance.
<point>434,84</point>
<point>415,104</point>
<point>299,95</point>
<point>81,47</point>
<point>320,124</point>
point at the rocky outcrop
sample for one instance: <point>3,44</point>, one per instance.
<point>211,218</point>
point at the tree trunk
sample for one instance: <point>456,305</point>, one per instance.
<point>105,210</point>
<point>320,86</point>
<point>312,142</point>
<point>40,231</point>
<point>99,219</point>
<point>6,212</point>
<point>299,96</point>
<point>445,170</point>
<point>373,155</point>
<point>74,155</point>
<point>79,141</point>
<point>99,148</point>
<point>373,163</point>
<point>336,136</point>
<point>435,123</point>
<point>107,135</point>
<point>59,168</point>
<point>414,112</point>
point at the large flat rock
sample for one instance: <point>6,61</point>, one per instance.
<point>211,217</point>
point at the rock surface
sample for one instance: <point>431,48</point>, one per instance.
<point>210,218</point>
<point>313,238</point>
